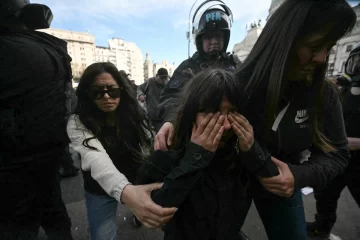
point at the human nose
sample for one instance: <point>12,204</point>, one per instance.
<point>226,124</point>
<point>106,95</point>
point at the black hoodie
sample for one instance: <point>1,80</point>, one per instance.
<point>294,135</point>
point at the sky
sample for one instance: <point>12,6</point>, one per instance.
<point>158,27</point>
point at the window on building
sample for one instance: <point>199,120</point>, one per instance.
<point>349,48</point>
<point>331,66</point>
<point>332,51</point>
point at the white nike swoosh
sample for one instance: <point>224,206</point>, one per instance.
<point>301,119</point>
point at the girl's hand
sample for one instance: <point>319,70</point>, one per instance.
<point>208,134</point>
<point>243,130</point>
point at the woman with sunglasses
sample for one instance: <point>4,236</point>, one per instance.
<point>107,130</point>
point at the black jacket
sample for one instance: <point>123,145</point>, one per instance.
<point>351,112</point>
<point>35,75</point>
<point>207,188</point>
<point>169,97</point>
<point>294,135</point>
<point>152,90</point>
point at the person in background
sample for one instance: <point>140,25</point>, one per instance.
<point>327,198</point>
<point>133,85</point>
<point>108,131</point>
<point>68,169</point>
<point>149,93</point>
<point>35,76</point>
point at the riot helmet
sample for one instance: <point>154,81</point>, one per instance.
<point>33,16</point>
<point>209,17</point>
<point>352,66</point>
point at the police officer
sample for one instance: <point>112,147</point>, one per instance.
<point>326,199</point>
<point>35,78</point>
<point>211,32</point>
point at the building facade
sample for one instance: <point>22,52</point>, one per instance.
<point>274,5</point>
<point>125,56</point>
<point>83,51</point>
<point>103,54</point>
<point>150,68</point>
<point>243,48</point>
<point>81,48</point>
<point>166,65</point>
<point>341,51</point>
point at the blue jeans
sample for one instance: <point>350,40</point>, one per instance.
<point>101,211</point>
<point>283,218</point>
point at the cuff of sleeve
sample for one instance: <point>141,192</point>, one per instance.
<point>258,161</point>
<point>119,190</point>
<point>302,175</point>
<point>171,117</point>
<point>197,157</point>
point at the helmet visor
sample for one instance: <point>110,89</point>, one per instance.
<point>353,64</point>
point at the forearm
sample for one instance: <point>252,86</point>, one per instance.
<point>182,179</point>
<point>320,168</point>
<point>106,174</point>
<point>96,161</point>
<point>174,191</point>
<point>354,144</point>
<point>258,162</point>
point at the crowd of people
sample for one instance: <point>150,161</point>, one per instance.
<point>187,153</point>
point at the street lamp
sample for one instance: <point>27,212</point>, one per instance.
<point>188,34</point>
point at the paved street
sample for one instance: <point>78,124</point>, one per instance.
<point>347,226</point>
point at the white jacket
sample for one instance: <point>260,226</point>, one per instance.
<point>98,162</point>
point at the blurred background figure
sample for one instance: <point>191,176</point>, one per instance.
<point>149,93</point>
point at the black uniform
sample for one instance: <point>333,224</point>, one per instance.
<point>326,199</point>
<point>35,75</point>
<point>169,97</point>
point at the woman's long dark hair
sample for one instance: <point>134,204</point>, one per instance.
<point>129,117</point>
<point>204,93</point>
<point>265,68</point>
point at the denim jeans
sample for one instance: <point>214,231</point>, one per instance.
<point>283,218</point>
<point>101,211</point>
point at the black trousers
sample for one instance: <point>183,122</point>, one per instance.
<point>327,198</point>
<point>66,161</point>
<point>31,197</point>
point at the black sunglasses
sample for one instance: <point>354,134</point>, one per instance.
<point>99,94</point>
